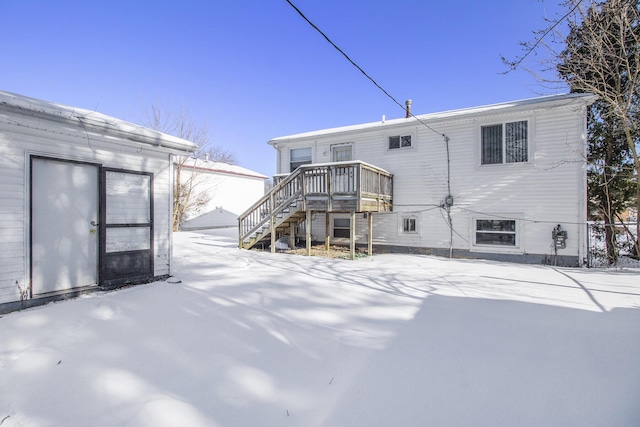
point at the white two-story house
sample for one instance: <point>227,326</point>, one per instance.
<point>504,181</point>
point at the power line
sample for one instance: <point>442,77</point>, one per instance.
<point>534,221</point>
<point>446,138</point>
<point>315,27</point>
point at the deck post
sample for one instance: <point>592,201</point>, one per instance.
<point>352,236</point>
<point>327,231</point>
<point>292,235</point>
<point>272,223</point>
<point>307,226</point>
<point>370,234</point>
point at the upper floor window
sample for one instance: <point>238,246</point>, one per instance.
<point>399,141</point>
<point>505,143</point>
<point>299,157</point>
<point>342,153</point>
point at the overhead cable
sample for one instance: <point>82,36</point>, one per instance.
<point>315,27</point>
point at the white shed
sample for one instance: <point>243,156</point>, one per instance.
<point>223,190</point>
<point>85,201</point>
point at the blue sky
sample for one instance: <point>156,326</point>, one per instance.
<point>254,69</point>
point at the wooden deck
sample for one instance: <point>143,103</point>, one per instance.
<point>330,187</point>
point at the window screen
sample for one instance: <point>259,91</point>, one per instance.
<point>505,143</point>
<point>341,227</point>
<point>497,232</point>
<point>409,225</point>
<point>516,142</point>
<point>400,141</point>
<point>491,144</point>
<point>299,157</point>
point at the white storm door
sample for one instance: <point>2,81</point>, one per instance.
<point>343,181</point>
<point>64,232</point>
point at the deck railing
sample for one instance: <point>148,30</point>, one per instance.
<point>354,181</point>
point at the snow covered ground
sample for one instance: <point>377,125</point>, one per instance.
<point>258,339</point>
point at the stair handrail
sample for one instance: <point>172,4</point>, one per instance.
<point>263,212</point>
<point>246,230</point>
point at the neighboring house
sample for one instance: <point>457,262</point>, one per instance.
<point>504,181</point>
<point>224,191</point>
<point>85,201</point>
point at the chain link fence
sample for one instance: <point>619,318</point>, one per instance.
<point>624,253</point>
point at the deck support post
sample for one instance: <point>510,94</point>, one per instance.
<point>352,236</point>
<point>292,235</point>
<point>307,227</point>
<point>272,223</point>
<point>370,234</point>
<point>327,232</point>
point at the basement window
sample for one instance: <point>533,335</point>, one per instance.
<point>341,228</point>
<point>409,225</point>
<point>505,143</point>
<point>496,232</point>
<point>399,141</point>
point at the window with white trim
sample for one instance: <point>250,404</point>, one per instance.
<point>341,227</point>
<point>496,232</point>
<point>299,157</point>
<point>399,141</point>
<point>341,153</point>
<point>505,143</point>
<point>409,225</point>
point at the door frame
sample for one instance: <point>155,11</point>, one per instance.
<point>102,272</point>
<point>98,166</point>
<point>141,256</point>
<point>343,145</point>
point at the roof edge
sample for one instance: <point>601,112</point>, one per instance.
<point>93,121</point>
<point>571,98</point>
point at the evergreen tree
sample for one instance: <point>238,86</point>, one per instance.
<point>602,56</point>
<point>610,175</point>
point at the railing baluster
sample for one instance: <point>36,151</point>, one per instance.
<point>355,179</point>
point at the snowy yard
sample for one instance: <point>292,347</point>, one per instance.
<point>258,339</point>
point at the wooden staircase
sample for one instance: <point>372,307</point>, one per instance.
<point>330,187</point>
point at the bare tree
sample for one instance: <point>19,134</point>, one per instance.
<point>601,55</point>
<point>180,123</point>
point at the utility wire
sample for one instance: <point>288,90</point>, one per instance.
<point>446,138</point>
<point>534,221</point>
<point>315,27</point>
<point>342,52</point>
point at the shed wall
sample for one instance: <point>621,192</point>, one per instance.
<point>22,136</point>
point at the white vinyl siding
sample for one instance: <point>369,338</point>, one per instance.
<point>546,190</point>
<point>35,137</point>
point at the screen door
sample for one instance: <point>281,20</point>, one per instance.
<point>127,231</point>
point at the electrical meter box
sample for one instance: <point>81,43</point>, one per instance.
<point>559,237</point>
